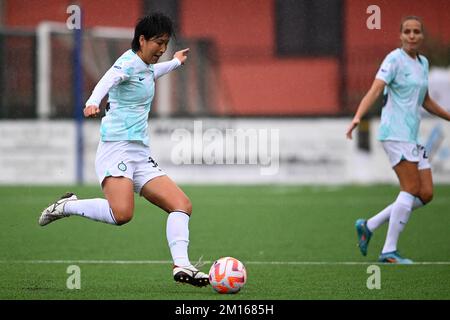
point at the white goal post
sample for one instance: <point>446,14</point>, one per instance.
<point>94,67</point>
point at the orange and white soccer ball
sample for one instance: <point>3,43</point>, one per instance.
<point>227,275</point>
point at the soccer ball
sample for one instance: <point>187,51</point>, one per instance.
<point>227,275</point>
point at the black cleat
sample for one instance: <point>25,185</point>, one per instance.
<point>191,276</point>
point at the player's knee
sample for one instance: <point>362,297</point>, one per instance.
<point>187,205</point>
<point>183,204</point>
<point>122,215</point>
<point>123,220</point>
<point>426,196</point>
<point>413,188</point>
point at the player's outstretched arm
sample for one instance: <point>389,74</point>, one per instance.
<point>366,103</point>
<point>162,68</point>
<point>432,107</point>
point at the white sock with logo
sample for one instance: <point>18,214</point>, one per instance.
<point>400,213</point>
<point>177,232</point>
<point>94,209</point>
<point>383,216</point>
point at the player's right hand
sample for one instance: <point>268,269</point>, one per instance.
<point>181,55</point>
<point>353,125</point>
<point>91,111</point>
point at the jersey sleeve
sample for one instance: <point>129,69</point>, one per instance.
<point>388,70</point>
<point>162,68</point>
<point>115,75</point>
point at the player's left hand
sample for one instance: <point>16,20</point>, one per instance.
<point>181,55</point>
<point>353,125</point>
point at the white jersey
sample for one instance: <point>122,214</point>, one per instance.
<point>131,86</point>
<point>406,81</point>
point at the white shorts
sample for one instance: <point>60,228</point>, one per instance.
<point>126,159</point>
<point>398,151</point>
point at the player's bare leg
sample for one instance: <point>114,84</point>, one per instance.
<point>120,195</point>
<point>426,186</point>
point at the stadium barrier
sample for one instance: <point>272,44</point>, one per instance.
<point>221,151</point>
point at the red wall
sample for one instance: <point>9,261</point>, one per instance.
<point>28,13</point>
<point>239,28</point>
<point>435,13</point>
<point>281,87</point>
<point>258,82</point>
<point>252,79</point>
<point>365,49</point>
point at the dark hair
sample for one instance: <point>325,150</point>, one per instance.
<point>419,19</point>
<point>151,26</point>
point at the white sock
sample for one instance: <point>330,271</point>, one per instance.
<point>177,232</point>
<point>400,212</point>
<point>417,203</point>
<point>380,218</point>
<point>94,209</point>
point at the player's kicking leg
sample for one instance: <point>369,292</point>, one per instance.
<point>164,193</point>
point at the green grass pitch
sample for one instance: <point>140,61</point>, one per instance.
<point>296,242</point>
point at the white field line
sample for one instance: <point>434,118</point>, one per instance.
<point>282,263</point>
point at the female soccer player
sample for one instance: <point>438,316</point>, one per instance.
<point>123,161</point>
<point>403,76</point>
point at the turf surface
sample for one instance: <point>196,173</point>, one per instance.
<point>296,242</point>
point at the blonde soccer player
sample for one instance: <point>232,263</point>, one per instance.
<point>403,77</point>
